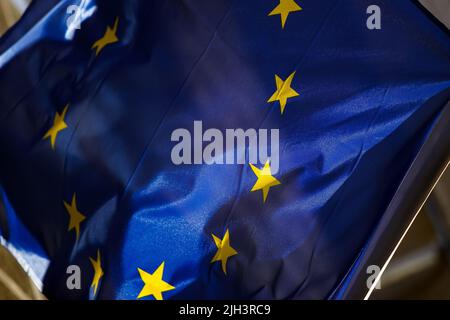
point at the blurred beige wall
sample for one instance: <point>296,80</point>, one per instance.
<point>10,11</point>
<point>14,283</point>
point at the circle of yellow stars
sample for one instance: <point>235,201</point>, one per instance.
<point>154,284</point>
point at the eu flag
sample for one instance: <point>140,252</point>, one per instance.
<point>210,149</point>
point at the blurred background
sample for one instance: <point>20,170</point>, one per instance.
<point>420,268</point>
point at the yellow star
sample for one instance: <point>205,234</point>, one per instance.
<point>224,250</point>
<point>154,285</point>
<point>284,8</point>
<point>265,179</point>
<point>284,91</point>
<point>109,37</point>
<point>76,217</point>
<point>98,271</point>
<point>58,125</point>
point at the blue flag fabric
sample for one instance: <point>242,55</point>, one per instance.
<point>92,91</point>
